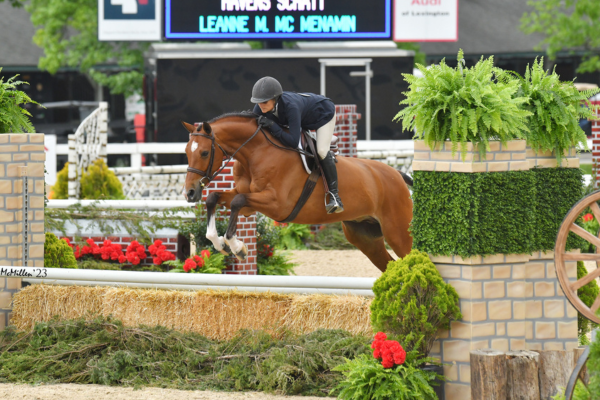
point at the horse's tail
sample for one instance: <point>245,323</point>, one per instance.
<point>406,178</point>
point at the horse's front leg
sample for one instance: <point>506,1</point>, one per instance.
<point>251,202</point>
<point>211,230</point>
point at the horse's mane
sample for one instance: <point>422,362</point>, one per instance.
<point>243,114</point>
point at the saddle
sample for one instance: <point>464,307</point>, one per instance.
<point>308,145</point>
<point>313,168</point>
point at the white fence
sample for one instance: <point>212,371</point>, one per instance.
<point>174,281</point>
<point>166,182</point>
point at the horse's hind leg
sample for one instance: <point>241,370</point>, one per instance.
<point>368,238</point>
<point>395,227</point>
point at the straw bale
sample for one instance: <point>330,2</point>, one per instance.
<point>319,311</point>
<point>40,303</point>
<point>212,313</point>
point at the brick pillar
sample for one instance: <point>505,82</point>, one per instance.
<point>246,226</point>
<point>21,160</point>
<point>346,129</point>
<point>595,148</point>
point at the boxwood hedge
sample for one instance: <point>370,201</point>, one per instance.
<point>516,212</point>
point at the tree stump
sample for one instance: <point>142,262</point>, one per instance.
<point>488,375</point>
<point>555,367</point>
<point>522,375</point>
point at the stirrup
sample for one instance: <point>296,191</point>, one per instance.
<point>336,207</point>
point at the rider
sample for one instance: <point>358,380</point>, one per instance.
<point>299,111</point>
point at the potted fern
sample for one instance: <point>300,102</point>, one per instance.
<point>13,117</point>
<point>555,108</point>
<point>465,107</point>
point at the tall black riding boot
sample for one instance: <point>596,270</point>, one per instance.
<point>334,204</point>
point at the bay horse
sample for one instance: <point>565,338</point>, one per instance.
<point>270,180</point>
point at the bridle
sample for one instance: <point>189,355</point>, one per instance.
<point>206,174</point>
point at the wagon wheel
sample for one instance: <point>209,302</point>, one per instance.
<point>560,255</point>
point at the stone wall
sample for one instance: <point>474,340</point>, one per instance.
<point>21,168</point>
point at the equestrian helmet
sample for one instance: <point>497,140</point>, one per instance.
<point>265,89</point>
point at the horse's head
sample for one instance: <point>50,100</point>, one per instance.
<point>204,159</point>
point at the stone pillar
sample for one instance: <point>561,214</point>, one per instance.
<point>246,226</point>
<point>22,159</point>
<point>508,301</point>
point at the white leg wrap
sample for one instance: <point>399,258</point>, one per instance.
<point>234,244</point>
<point>213,235</point>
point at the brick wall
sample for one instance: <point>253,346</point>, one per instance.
<point>169,242</point>
<point>346,129</point>
<point>21,160</point>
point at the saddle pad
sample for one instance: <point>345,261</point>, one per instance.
<point>303,145</point>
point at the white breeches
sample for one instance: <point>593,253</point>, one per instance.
<point>324,135</point>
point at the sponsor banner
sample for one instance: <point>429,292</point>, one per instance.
<point>129,20</point>
<point>425,20</point>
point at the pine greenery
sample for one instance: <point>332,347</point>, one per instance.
<point>463,105</point>
<point>13,117</point>
<point>57,253</point>
<point>412,302</point>
<point>555,108</point>
<point>97,182</point>
<point>105,352</point>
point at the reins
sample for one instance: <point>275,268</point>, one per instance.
<point>206,174</point>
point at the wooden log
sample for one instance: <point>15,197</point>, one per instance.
<point>583,375</point>
<point>522,375</point>
<point>488,375</point>
<point>555,368</point>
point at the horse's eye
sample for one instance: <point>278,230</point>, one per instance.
<point>204,154</point>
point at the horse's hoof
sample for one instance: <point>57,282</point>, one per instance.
<point>242,254</point>
<point>225,250</point>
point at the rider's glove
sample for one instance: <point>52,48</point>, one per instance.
<point>265,122</point>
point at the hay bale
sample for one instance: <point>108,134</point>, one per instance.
<point>40,303</point>
<point>212,313</point>
<point>307,313</point>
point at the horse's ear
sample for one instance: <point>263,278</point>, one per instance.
<point>191,128</point>
<point>207,128</point>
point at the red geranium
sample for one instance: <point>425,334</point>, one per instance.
<point>111,251</point>
<point>588,217</point>
<point>189,265</point>
<point>199,261</point>
<point>390,352</point>
<point>205,253</point>
<point>159,253</point>
<point>135,253</point>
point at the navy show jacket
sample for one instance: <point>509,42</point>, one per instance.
<point>298,111</point>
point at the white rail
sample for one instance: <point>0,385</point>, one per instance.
<point>124,204</point>
<point>165,280</point>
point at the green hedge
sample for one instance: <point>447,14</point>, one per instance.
<point>513,212</point>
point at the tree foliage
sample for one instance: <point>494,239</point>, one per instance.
<point>67,31</point>
<point>567,24</point>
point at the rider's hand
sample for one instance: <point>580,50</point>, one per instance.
<point>265,122</point>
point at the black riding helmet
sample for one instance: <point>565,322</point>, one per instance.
<point>265,89</point>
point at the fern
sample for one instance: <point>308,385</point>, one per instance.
<point>13,117</point>
<point>555,107</point>
<point>463,105</point>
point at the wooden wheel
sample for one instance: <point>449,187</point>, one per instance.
<point>560,256</point>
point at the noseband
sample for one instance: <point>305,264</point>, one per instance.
<point>206,174</point>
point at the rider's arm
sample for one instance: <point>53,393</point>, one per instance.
<point>294,122</point>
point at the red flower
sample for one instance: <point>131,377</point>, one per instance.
<point>389,351</point>
<point>122,259</point>
<point>188,265</point>
<point>205,253</point>
<point>588,217</point>
<point>68,242</point>
<point>199,261</point>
